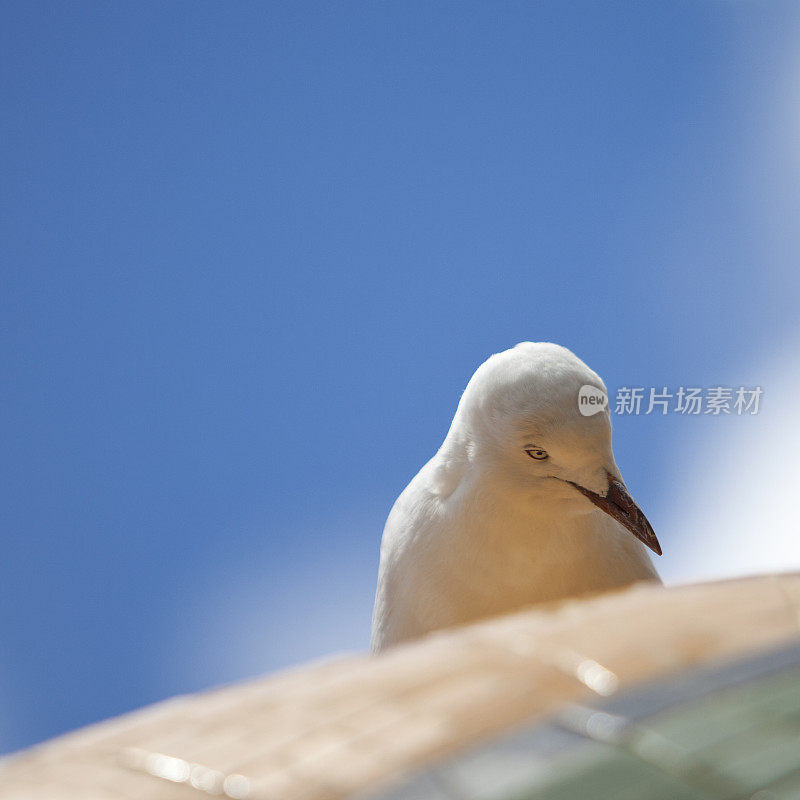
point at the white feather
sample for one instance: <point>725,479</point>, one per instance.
<point>483,528</point>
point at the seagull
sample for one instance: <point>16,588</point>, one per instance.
<point>522,504</point>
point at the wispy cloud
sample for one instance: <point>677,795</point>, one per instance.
<point>271,610</point>
<point>732,492</point>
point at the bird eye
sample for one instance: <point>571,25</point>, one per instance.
<point>537,453</point>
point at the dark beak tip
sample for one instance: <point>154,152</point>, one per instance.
<point>656,548</point>
<point>619,505</point>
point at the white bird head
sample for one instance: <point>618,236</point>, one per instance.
<point>519,425</point>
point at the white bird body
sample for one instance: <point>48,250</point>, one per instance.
<point>483,529</point>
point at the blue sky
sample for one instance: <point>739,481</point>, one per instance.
<point>252,253</point>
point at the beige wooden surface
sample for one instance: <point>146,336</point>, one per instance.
<point>351,724</point>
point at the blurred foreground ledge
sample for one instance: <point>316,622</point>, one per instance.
<point>355,725</point>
